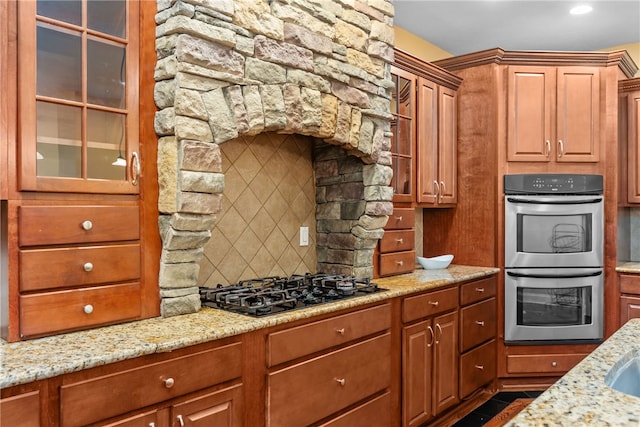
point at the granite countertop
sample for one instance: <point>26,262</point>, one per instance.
<point>27,361</point>
<point>628,267</point>
<point>581,398</point>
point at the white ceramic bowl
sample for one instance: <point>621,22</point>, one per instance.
<point>435,263</point>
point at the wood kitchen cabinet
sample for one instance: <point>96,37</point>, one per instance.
<point>429,355</point>
<point>396,249</point>
<point>629,297</point>
<point>83,248</point>
<point>344,360</point>
<point>553,114</point>
<point>196,386</point>
<point>629,116</point>
<point>424,141</point>
<point>22,410</point>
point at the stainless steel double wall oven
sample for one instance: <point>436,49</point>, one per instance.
<point>554,230</point>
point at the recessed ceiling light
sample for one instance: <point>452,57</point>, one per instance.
<point>581,10</point>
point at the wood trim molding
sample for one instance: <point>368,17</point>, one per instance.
<point>620,58</point>
<point>629,85</point>
<point>425,69</point>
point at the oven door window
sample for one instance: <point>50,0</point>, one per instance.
<point>552,234</point>
<point>554,307</point>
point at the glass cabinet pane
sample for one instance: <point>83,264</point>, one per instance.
<point>63,10</point>
<point>108,16</point>
<point>59,64</point>
<point>105,74</point>
<point>404,97</point>
<point>403,138</point>
<point>105,144</point>
<point>402,175</point>
<point>59,140</point>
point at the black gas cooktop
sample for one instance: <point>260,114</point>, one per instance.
<point>270,295</point>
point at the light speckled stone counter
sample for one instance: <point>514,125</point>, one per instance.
<point>632,267</point>
<point>27,361</point>
<point>581,398</point>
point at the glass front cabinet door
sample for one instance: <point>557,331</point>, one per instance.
<point>77,62</point>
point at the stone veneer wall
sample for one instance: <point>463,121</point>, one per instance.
<point>228,68</point>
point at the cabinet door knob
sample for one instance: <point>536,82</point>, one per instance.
<point>480,322</point>
<point>87,225</point>
<point>87,266</point>
<point>400,263</point>
<point>180,420</point>
<point>341,381</point>
<point>340,331</point>
<point>554,363</point>
<point>169,382</point>
<point>88,309</point>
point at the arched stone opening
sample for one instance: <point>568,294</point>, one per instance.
<point>231,69</point>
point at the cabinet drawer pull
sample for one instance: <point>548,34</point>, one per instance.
<point>442,190</point>
<point>152,424</point>
<point>168,382</point>
<point>180,420</point>
<point>88,309</point>
<point>399,218</point>
<point>87,267</point>
<point>87,225</point>
<point>481,290</point>
<point>400,263</point>
<point>480,322</point>
<point>434,303</point>
<point>340,331</point>
<point>554,363</point>
<point>400,241</point>
<point>341,381</point>
<point>480,367</point>
<point>561,148</point>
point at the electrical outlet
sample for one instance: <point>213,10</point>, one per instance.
<point>304,236</point>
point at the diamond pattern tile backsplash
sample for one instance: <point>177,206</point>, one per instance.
<point>269,194</point>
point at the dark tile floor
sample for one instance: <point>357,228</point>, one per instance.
<point>492,407</point>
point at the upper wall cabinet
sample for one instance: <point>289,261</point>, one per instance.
<point>424,142</point>
<point>78,92</point>
<point>629,132</point>
<point>553,114</point>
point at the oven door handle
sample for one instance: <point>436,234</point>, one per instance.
<point>554,202</point>
<point>554,276</point>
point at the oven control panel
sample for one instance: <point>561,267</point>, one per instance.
<point>553,184</point>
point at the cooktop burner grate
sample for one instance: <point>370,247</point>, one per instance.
<point>270,295</point>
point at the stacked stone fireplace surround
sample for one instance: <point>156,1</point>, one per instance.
<point>230,68</point>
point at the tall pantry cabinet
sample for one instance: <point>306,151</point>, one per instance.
<point>529,112</point>
<point>78,243</point>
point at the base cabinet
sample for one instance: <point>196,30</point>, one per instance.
<point>22,410</point>
<point>630,297</point>
<point>430,357</point>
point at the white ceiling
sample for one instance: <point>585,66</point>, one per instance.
<point>468,26</point>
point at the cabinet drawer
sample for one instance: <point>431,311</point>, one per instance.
<point>630,284</point>
<point>401,218</point>
<point>428,304</point>
<point>304,340</point>
<point>22,410</point>
<point>375,413</point>
<point>477,368</point>
<point>397,263</point>
<point>96,399</point>
<point>65,310</point>
<point>397,240</point>
<point>309,391</point>
<point>542,363</point>
<point>629,308</point>
<point>56,225</point>
<point>477,324</point>
<point>65,267</point>
<point>478,290</point>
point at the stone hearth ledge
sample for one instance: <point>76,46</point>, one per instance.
<point>27,361</point>
<point>581,398</point>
